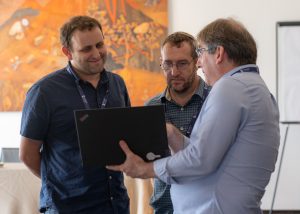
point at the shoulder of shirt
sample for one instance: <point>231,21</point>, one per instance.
<point>231,88</point>
<point>156,99</point>
<point>114,76</point>
<point>53,77</point>
<point>233,81</point>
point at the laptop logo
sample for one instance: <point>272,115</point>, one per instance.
<point>83,118</point>
<point>151,156</point>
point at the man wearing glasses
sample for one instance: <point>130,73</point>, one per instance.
<point>225,165</point>
<point>182,99</point>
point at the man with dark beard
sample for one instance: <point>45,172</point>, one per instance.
<point>182,99</point>
<point>49,146</point>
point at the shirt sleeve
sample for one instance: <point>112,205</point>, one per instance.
<point>214,132</point>
<point>35,114</point>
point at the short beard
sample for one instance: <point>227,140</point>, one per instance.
<point>186,86</point>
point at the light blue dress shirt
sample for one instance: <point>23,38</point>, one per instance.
<point>232,151</point>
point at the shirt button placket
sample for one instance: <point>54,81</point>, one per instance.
<point>110,181</point>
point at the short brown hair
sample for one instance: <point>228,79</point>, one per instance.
<point>77,22</point>
<point>177,38</point>
<point>233,36</point>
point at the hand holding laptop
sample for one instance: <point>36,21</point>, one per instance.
<point>134,166</point>
<point>175,138</point>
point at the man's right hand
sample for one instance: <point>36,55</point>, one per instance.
<point>175,138</point>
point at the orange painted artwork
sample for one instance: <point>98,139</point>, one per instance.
<point>30,46</point>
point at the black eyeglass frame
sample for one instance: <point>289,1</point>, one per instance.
<point>210,49</point>
<point>180,65</point>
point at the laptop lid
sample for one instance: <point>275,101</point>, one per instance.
<point>100,130</point>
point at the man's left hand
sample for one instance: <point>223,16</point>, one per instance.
<point>134,166</point>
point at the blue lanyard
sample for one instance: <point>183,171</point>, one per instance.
<point>247,69</point>
<point>82,94</point>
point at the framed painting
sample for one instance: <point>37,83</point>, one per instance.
<point>30,46</point>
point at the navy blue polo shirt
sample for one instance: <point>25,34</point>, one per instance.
<point>48,116</point>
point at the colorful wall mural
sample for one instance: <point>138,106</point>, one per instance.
<point>30,47</point>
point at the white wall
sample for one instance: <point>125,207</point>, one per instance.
<point>10,129</point>
<point>260,17</point>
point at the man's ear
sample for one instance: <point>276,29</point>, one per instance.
<point>67,52</point>
<point>220,54</point>
<point>160,60</point>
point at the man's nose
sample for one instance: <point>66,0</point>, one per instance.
<point>199,65</point>
<point>174,70</point>
<point>96,52</point>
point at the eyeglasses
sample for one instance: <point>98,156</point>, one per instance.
<point>180,65</point>
<point>200,51</point>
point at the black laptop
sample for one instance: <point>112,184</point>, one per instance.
<point>100,130</point>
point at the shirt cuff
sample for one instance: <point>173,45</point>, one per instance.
<point>160,169</point>
<point>186,141</point>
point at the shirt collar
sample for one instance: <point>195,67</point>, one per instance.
<point>103,74</point>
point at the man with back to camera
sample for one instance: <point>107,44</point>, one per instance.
<point>49,146</point>
<point>227,162</point>
<point>182,99</point>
